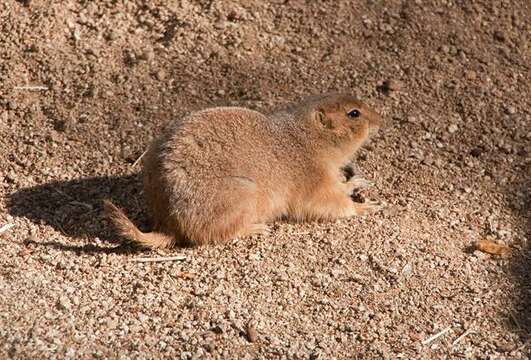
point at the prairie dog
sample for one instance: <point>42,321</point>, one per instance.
<point>226,172</point>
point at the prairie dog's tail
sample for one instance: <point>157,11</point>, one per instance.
<point>129,231</point>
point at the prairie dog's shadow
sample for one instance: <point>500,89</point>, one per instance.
<point>520,265</point>
<point>75,207</point>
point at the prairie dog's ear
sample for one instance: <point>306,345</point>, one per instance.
<point>320,116</point>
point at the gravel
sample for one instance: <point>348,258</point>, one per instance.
<point>452,163</point>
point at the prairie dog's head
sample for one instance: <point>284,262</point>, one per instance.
<point>340,120</point>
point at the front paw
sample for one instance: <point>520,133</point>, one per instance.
<point>358,183</point>
<point>368,207</point>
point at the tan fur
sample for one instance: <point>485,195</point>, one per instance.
<point>129,231</point>
<point>225,172</point>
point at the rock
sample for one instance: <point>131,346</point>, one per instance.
<point>499,35</point>
<point>185,355</point>
<point>209,346</point>
<point>476,152</point>
<point>199,354</point>
<point>92,91</point>
<point>511,110</point>
<point>76,35</point>
<point>33,48</point>
<point>233,16</point>
<point>444,49</point>
<point>111,35</point>
<point>219,25</point>
<point>82,19</point>
<point>111,324</point>
<point>452,128</point>
<point>392,85</point>
<point>480,255</point>
<point>428,160</point>
<point>63,303</point>
<point>147,55</point>
<point>407,269</point>
<point>504,347</point>
<point>470,75</point>
<point>93,52</point>
<point>130,58</point>
<point>219,329</point>
<point>160,75</point>
<point>522,151</point>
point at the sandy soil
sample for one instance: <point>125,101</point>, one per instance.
<point>453,163</point>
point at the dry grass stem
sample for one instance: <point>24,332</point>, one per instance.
<point>6,227</point>
<point>436,336</point>
<point>139,158</point>
<point>31,87</point>
<point>462,336</point>
<point>159,259</point>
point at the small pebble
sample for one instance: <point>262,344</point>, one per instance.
<point>112,35</point>
<point>393,85</point>
<point>511,110</point>
<point>209,346</point>
<point>470,75</point>
<point>160,75</point>
<point>452,128</point>
<point>147,55</point>
<point>499,35</point>
<point>476,152</point>
<point>63,303</point>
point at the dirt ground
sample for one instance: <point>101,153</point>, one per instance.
<point>453,163</point>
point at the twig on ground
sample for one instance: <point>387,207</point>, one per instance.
<point>159,259</point>
<point>61,228</point>
<point>463,335</point>
<point>6,227</point>
<point>436,336</point>
<point>514,319</point>
<point>186,275</point>
<point>75,202</point>
<point>139,158</point>
<point>30,87</point>
<point>63,193</point>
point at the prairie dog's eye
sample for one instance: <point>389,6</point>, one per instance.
<point>354,113</point>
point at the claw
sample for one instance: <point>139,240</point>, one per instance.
<point>369,207</point>
<point>360,183</point>
<point>258,229</point>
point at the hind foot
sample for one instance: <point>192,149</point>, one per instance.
<point>356,184</point>
<point>256,229</point>
<point>367,207</point>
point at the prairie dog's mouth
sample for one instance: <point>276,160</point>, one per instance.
<point>373,129</point>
